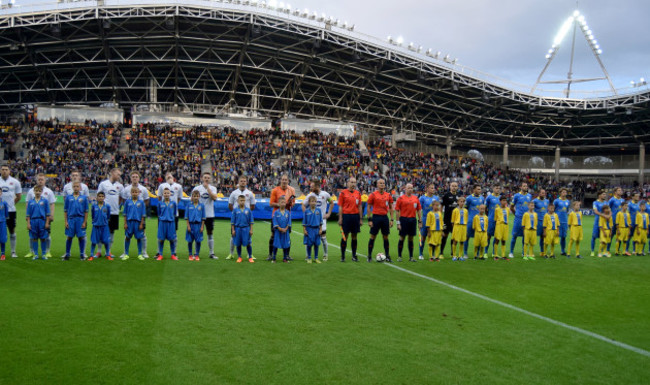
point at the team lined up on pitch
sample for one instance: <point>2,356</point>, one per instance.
<point>474,216</point>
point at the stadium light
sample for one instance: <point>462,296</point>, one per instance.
<point>272,4</point>
<point>400,40</point>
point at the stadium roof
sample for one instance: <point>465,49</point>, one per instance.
<point>210,56</point>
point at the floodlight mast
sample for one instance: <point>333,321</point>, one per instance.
<point>573,21</point>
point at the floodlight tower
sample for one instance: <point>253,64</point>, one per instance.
<point>574,22</point>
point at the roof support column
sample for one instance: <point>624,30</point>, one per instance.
<point>557,163</point>
<point>641,163</point>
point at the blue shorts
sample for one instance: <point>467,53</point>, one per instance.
<point>470,228</point>
<point>492,226</point>
<point>195,235</point>
<point>74,228</point>
<point>564,230</point>
<point>380,222</point>
<point>166,231</point>
<point>282,240</point>
<point>350,223</point>
<point>408,226</point>
<point>312,238</point>
<point>38,229</point>
<point>242,236</point>
<point>517,228</point>
<point>133,230</point>
<point>100,234</point>
<point>3,232</point>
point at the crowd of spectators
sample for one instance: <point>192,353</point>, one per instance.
<point>56,149</point>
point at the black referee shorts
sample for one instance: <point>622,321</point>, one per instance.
<point>380,222</point>
<point>11,221</point>
<point>114,222</point>
<point>408,226</point>
<point>350,223</point>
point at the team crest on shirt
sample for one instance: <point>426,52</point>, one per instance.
<point>415,205</point>
<point>357,201</point>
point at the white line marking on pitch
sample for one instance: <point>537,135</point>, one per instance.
<point>515,308</point>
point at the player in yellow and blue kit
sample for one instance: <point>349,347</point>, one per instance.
<point>312,221</point>
<point>623,225</point>
<point>135,213</point>
<point>195,215</point>
<point>641,229</point>
<point>472,204</point>
<point>241,226</point>
<point>541,207</point>
<point>100,214</point>
<point>167,224</point>
<point>519,206</point>
<point>551,231</point>
<point>530,222</point>
<point>75,214</point>
<point>282,227</point>
<point>597,207</point>
<point>480,225</point>
<point>606,226</point>
<point>4,214</point>
<point>38,221</point>
<point>633,209</point>
<point>492,204</point>
<point>426,202</point>
<point>562,206</point>
<point>501,217</point>
<point>435,225</point>
<point>615,203</point>
<point>575,229</point>
<point>459,233</point>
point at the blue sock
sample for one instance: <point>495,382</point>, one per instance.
<point>465,246</point>
<point>92,249</point>
<point>43,246</point>
<point>82,245</point>
<point>161,247</point>
<point>315,251</point>
<point>107,246</point>
<point>541,244</point>
<point>238,251</point>
<point>512,244</point>
<point>275,252</point>
<point>127,245</point>
<point>285,252</point>
<point>34,244</point>
<point>68,246</point>
<point>2,246</point>
<point>308,252</point>
<point>198,248</point>
<point>563,244</point>
<point>139,246</point>
<point>593,244</point>
<point>249,249</point>
<point>189,248</point>
<point>172,245</point>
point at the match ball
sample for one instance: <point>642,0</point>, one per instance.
<point>380,257</point>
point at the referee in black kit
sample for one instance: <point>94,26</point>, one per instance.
<point>449,203</point>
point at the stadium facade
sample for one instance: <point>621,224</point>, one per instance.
<point>214,57</point>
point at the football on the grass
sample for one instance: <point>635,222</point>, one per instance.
<point>380,257</point>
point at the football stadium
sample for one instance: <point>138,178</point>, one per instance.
<point>262,149</point>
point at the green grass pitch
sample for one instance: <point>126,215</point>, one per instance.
<point>220,322</point>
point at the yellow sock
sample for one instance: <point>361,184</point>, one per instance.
<point>570,246</point>
<point>430,251</point>
<point>578,248</point>
<point>503,250</point>
<point>603,246</point>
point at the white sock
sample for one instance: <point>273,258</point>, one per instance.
<point>144,245</point>
<point>323,239</point>
<point>232,246</point>
<point>12,240</point>
<point>211,244</point>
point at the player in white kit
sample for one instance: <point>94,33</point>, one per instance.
<point>232,202</point>
<point>49,196</point>
<point>112,189</point>
<point>144,195</point>
<point>323,198</point>
<point>75,176</point>
<point>11,193</point>
<point>175,189</point>
<point>207,196</point>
